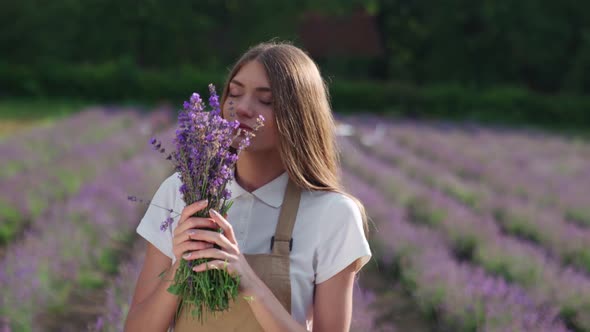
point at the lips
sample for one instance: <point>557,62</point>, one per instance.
<point>244,127</point>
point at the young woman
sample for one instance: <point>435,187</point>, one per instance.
<point>294,237</point>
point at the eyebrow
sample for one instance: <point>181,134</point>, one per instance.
<point>263,89</point>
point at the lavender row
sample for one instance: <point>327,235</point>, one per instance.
<point>573,155</point>
<point>478,239</point>
<point>560,160</point>
<point>25,196</point>
<point>119,293</point>
<point>533,178</point>
<point>74,244</point>
<point>365,313</point>
<point>464,296</point>
<point>513,146</point>
<point>472,160</point>
<point>552,180</point>
<point>39,148</point>
<point>539,172</point>
<point>515,216</point>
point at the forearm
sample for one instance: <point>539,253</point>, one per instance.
<point>157,311</point>
<point>269,312</point>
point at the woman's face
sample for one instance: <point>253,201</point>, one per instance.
<point>250,96</point>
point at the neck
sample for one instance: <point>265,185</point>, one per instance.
<point>255,169</point>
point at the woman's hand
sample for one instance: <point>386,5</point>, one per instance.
<point>228,256</point>
<point>184,241</point>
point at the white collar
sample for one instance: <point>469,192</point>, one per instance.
<point>271,194</point>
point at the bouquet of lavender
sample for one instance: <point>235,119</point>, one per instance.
<point>204,157</point>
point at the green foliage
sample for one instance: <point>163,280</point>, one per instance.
<point>28,109</point>
<point>156,34</point>
<point>519,225</point>
<point>10,223</point>
<point>580,258</point>
<point>464,245</point>
<point>109,261</point>
<point>463,195</point>
<point>112,81</point>
<point>91,279</point>
<point>517,269</point>
<point>461,59</point>
<point>422,212</point>
<point>541,44</point>
<point>374,96</point>
<point>579,216</point>
<point>511,105</point>
<point>123,81</point>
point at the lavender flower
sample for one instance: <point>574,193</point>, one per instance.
<point>204,159</point>
<point>166,223</point>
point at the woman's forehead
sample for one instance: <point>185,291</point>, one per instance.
<point>252,75</point>
<point>257,88</point>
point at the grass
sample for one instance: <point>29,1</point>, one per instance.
<point>23,114</point>
<point>26,110</point>
<point>17,114</point>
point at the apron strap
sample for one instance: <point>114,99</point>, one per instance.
<point>282,242</point>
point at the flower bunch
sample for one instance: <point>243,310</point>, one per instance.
<point>204,158</point>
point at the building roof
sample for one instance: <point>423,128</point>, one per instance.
<point>356,34</point>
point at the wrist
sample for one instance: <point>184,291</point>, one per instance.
<point>252,285</point>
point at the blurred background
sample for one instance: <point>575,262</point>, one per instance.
<point>463,127</point>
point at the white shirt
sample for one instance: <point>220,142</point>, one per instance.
<point>327,236</point>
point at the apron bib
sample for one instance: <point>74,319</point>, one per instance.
<point>272,269</point>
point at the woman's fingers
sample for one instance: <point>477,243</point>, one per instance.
<point>191,246</point>
<point>225,226</point>
<point>189,210</point>
<point>208,253</point>
<point>216,238</point>
<point>196,234</point>
<point>215,265</point>
<point>184,230</point>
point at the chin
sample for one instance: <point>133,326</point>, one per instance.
<point>256,145</point>
<point>257,148</point>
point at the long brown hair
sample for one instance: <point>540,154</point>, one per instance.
<point>306,126</point>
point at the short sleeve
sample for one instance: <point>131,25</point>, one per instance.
<point>149,227</point>
<point>342,239</point>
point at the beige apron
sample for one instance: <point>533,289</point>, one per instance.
<point>272,269</point>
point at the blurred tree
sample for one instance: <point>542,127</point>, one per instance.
<point>37,31</point>
<point>540,44</point>
<point>536,43</point>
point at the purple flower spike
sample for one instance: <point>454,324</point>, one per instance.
<point>166,224</point>
<point>214,100</point>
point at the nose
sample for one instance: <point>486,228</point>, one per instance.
<point>243,107</point>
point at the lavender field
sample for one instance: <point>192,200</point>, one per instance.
<point>472,228</point>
